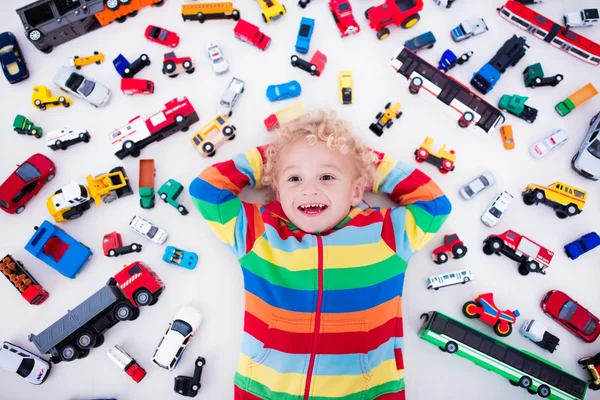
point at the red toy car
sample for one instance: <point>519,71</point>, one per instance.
<point>133,86</point>
<point>249,33</point>
<point>571,315</point>
<point>343,17</point>
<point>398,12</point>
<point>319,59</point>
<point>452,247</point>
<point>25,182</point>
<point>112,245</point>
<point>161,36</point>
<point>484,308</point>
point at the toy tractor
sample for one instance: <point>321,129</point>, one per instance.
<point>23,126</point>
<point>443,159</point>
<point>592,364</point>
<point>452,247</point>
<point>534,77</point>
<point>484,308</point>
<point>403,13</point>
<point>515,105</point>
<point>385,119</point>
<point>169,192</point>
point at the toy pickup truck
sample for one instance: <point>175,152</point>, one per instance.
<point>169,192</point>
<point>538,334</point>
<point>146,183</point>
<point>587,242</point>
<point>576,99</point>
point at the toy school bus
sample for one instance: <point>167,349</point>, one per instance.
<point>215,10</point>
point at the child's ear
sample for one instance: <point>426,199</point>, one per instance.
<point>357,192</point>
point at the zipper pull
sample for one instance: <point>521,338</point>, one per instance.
<point>318,232</point>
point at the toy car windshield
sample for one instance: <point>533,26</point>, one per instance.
<point>74,81</point>
<point>28,172</point>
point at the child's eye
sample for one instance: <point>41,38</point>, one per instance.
<point>327,177</point>
<point>294,179</point>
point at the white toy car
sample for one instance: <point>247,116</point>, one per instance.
<point>147,230</point>
<point>235,88</point>
<point>477,185</point>
<point>178,335</point>
<point>73,82</point>
<point>542,147</point>
<point>497,209</point>
<point>468,28</point>
<point>218,61</point>
<point>450,278</point>
<point>24,363</point>
<point>587,160</point>
<point>444,3</point>
<point>64,138</point>
<point>585,17</point>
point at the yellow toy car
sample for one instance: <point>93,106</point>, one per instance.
<point>42,98</point>
<point>385,119</point>
<point>272,10</point>
<point>443,159</point>
<point>212,136</point>
<point>566,200</point>
<point>346,87</point>
<point>79,62</point>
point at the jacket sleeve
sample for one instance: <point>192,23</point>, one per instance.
<point>215,194</point>
<point>422,206</point>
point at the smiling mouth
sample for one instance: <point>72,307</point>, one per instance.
<point>313,208</point>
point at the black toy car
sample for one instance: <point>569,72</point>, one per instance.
<point>304,65</point>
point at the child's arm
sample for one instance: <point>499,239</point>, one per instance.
<point>215,192</point>
<point>423,206</point>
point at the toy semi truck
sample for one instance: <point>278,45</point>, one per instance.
<point>22,280</point>
<point>538,334</point>
<point>83,328</point>
<point>146,183</point>
<point>576,99</point>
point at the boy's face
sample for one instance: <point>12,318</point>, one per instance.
<point>316,186</point>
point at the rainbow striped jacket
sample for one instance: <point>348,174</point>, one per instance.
<point>323,313</point>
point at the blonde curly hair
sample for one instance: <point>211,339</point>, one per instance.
<point>324,127</point>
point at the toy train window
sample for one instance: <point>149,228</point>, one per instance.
<point>65,6</point>
<point>520,21</point>
<point>39,15</point>
<point>579,53</point>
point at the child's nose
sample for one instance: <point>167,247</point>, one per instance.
<point>310,190</point>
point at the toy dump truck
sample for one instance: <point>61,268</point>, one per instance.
<point>534,77</point>
<point>146,183</point>
<point>23,126</point>
<point>22,280</point>
<point>169,192</point>
<point>576,99</point>
<point>515,105</point>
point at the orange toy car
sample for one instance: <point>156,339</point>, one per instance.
<point>507,137</point>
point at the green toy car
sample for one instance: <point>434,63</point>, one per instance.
<point>23,126</point>
<point>515,105</point>
<point>169,192</point>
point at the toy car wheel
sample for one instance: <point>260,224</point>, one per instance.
<point>86,340</point>
<point>447,165</point>
<point>35,35</point>
<point>528,200</point>
<point>50,177</point>
<point>502,329</point>
<point>538,81</point>
<point>467,279</point>
<point>383,34</point>
<point>470,309</point>
<point>513,383</point>
<point>523,270</point>
<point>62,100</point>
<point>571,210</point>
<point>451,347</point>
<point>543,391</point>
<point>367,12</point>
<point>38,103</point>
<point>143,297</point>
<point>112,253</point>
<point>187,65</point>
<point>123,312</point>
<point>423,154</point>
<point>388,105</point>
<point>459,251</point>
<point>441,258</point>
<point>389,124</point>
<point>411,21</point>
<point>538,196</point>
<point>20,210</point>
<point>201,18</point>
<point>85,137</point>
<point>379,114</point>
<point>561,214</point>
<point>415,85</point>
<point>495,244</point>
<point>532,266</point>
<point>228,131</point>
<point>112,5</point>
<point>294,60</point>
<point>208,148</point>
<point>525,382</point>
<point>182,210</point>
<point>235,14</point>
<point>99,341</point>
<point>163,197</point>
<point>399,115</point>
<point>313,69</point>
<point>169,67</point>
<point>68,353</point>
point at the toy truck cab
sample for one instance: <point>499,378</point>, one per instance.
<point>403,13</point>
<point>112,245</point>
<point>566,200</point>
<point>538,334</point>
<point>169,191</point>
<point>534,77</point>
<point>468,28</point>
<point>585,17</point>
<point>126,363</point>
<point>140,284</point>
<point>516,106</point>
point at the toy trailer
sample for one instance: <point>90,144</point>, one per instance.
<point>538,334</point>
<point>169,192</point>
<point>146,183</point>
<point>284,116</point>
<point>576,99</point>
<point>23,126</point>
<point>534,77</point>
<point>23,281</point>
<point>531,256</point>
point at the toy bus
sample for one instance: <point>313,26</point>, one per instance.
<point>449,279</point>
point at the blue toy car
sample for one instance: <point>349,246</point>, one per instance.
<point>11,59</point>
<point>587,242</point>
<point>127,69</point>
<point>284,91</point>
<point>307,25</point>
<point>56,248</point>
<point>424,41</point>
<point>182,258</point>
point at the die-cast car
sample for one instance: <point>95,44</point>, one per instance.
<point>272,10</point>
<point>148,230</point>
<point>585,17</point>
<point>41,98</point>
<point>424,41</point>
<point>346,87</point>
<point>508,140</point>
<point>319,60</point>
<point>343,17</point>
<point>468,28</point>
<point>218,61</point>
<point>79,62</point>
<point>229,98</point>
<point>23,363</point>
<point>477,185</point>
<point>11,59</point>
<point>173,65</point>
<point>449,60</point>
<point>571,315</point>
<point>212,136</point>
<point>307,25</point>
<point>249,33</point>
<point>178,335</point>
<point>127,69</point>
<point>542,147</point>
<point>284,91</point>
<point>182,258</point>
<point>496,210</point>
<point>161,36</point>
<point>72,82</point>
<point>64,138</point>
<point>586,243</point>
<point>587,160</point>
<point>131,86</point>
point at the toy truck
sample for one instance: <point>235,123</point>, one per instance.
<point>190,385</point>
<point>22,280</point>
<point>452,247</point>
<point>538,334</point>
<point>566,200</point>
<point>72,200</point>
<point>112,245</point>
<point>449,60</point>
<point>284,116</point>
<point>443,159</point>
<point>249,33</point>
<point>23,126</point>
<point>83,328</point>
<point>146,183</point>
<point>586,243</point>
<point>59,250</point>
<point>576,99</point>
<point>515,105</point>
<point>126,363</point>
<point>169,192</point>
<point>531,256</point>
<point>403,13</point>
<point>534,77</point>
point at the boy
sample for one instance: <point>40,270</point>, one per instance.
<point>323,271</point>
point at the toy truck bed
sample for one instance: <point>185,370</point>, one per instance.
<point>146,183</point>
<point>22,280</point>
<point>576,99</point>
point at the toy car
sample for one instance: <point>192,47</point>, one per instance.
<point>23,363</point>
<point>566,200</point>
<point>592,364</point>
<point>249,33</point>
<point>229,98</point>
<point>469,28</point>
<point>586,243</point>
<point>541,148</point>
<point>449,60</point>
<point>423,41</point>
<point>506,133</point>
<point>173,65</point>
<point>538,334</point>
<point>127,69</point>
<point>515,105</point>
<point>585,17</point>
<point>42,98</point>
<point>284,91</point>
<point>23,126</point>
<point>170,191</point>
<point>442,159</point>
<point>79,62</point>
<point>22,280</point>
<point>178,335</point>
<point>126,363</point>
<point>190,385</point>
<point>182,258</point>
<point>386,119</point>
<point>212,136</point>
<point>11,59</point>
<point>161,36</point>
<point>534,77</point>
<point>65,138</point>
<point>131,86</point>
<point>218,62</point>
<point>93,92</point>
<point>403,13</point>
<point>484,308</point>
<point>27,180</point>
<point>452,247</point>
<point>112,245</point>
<point>148,230</point>
<point>571,315</point>
<point>307,25</point>
<point>319,59</point>
<point>496,210</point>
<point>444,3</point>
<point>587,160</point>
<point>346,87</point>
<point>303,65</point>
<point>477,185</point>
<point>450,278</point>
<point>271,10</point>
<point>343,17</point>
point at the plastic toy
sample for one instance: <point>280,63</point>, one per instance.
<point>83,328</point>
<point>343,17</point>
<point>148,230</point>
<point>218,62</point>
<point>65,138</point>
<point>22,280</point>
<point>188,385</point>
<point>161,36</point>
<point>571,315</point>
<point>307,26</point>
<point>173,65</point>
<point>534,77</point>
<point>581,18</point>
<point>42,99</point>
<point>72,200</point>
<point>532,257</point>
<point>496,210</point>
<point>452,247</point>
<point>11,59</point>
<point>249,33</point>
<point>566,200</point>
<point>444,3</point>
<point>176,115</point>
<point>386,119</point>
<point>211,10</point>
<point>587,160</point>
<point>542,147</point>
<point>112,245</point>
<point>515,105</point>
<point>25,182</point>
<point>423,41</point>
<point>303,3</point>
<point>403,13</point>
<point>284,91</point>
<point>346,87</point>
<point>79,62</point>
<point>509,54</point>
<point>484,308</point>
<point>586,243</point>
<point>592,364</point>
<point>55,247</point>
<point>126,363</point>
<point>477,185</point>
<point>127,69</point>
<point>24,364</point>
<point>538,334</point>
<point>229,98</point>
<point>180,332</point>
<point>303,65</point>
<point>131,86</point>
<point>449,60</point>
<point>23,126</point>
<point>576,99</point>
<point>182,258</point>
<point>506,133</point>
<point>212,136</point>
<point>170,191</point>
<point>146,183</point>
<point>450,278</point>
<point>284,116</point>
<point>71,82</point>
<point>443,159</point>
<point>319,59</point>
<point>469,28</point>
<point>271,10</point>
